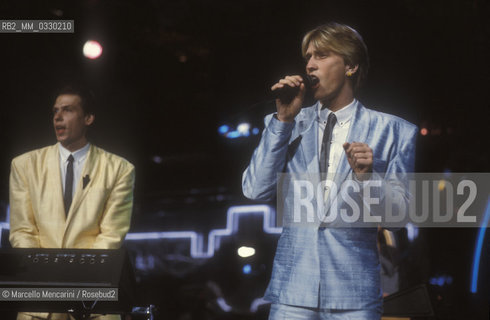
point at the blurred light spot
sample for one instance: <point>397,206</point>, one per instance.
<point>145,262</point>
<point>92,49</point>
<point>244,129</point>
<point>442,185</point>
<point>424,131</point>
<point>412,232</point>
<point>441,280</point>
<point>247,269</point>
<point>223,129</point>
<point>157,159</point>
<point>246,252</point>
<point>233,134</point>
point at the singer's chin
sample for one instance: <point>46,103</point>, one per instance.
<point>315,94</point>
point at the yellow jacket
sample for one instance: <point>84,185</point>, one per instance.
<point>99,215</point>
<point>100,212</point>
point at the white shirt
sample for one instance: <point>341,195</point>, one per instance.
<point>79,160</point>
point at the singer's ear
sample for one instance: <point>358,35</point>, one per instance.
<point>89,119</point>
<point>350,70</point>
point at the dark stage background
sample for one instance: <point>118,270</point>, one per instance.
<point>173,72</point>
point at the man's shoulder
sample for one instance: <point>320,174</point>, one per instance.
<point>111,158</point>
<point>382,119</point>
<point>35,155</point>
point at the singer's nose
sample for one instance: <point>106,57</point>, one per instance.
<point>311,65</point>
<point>57,116</point>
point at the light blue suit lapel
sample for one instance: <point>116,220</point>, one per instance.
<point>358,132</point>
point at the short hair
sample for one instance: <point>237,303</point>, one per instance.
<point>87,97</point>
<point>344,41</point>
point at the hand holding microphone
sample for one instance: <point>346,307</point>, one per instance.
<point>289,93</point>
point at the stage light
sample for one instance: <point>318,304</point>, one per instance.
<point>244,129</point>
<point>412,232</point>
<point>246,252</point>
<point>92,49</point>
<point>424,131</point>
<point>247,269</point>
<point>223,129</point>
<point>233,135</point>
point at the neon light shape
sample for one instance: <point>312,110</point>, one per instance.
<point>478,249</point>
<point>257,303</point>
<point>233,216</point>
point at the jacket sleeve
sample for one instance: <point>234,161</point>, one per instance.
<point>116,218</point>
<point>404,159</point>
<point>24,232</point>
<point>269,158</point>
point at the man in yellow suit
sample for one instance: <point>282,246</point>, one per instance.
<point>72,194</point>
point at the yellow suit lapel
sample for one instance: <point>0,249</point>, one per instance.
<point>53,183</point>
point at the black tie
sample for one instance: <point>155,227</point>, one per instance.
<point>68,184</point>
<point>327,138</point>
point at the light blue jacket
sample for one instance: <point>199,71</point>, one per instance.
<point>333,268</point>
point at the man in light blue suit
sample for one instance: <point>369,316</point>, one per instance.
<point>322,272</point>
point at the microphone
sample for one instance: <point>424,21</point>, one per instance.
<point>286,94</point>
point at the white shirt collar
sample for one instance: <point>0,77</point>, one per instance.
<point>78,155</point>
<point>343,115</point>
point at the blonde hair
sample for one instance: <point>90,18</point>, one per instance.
<point>344,41</point>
